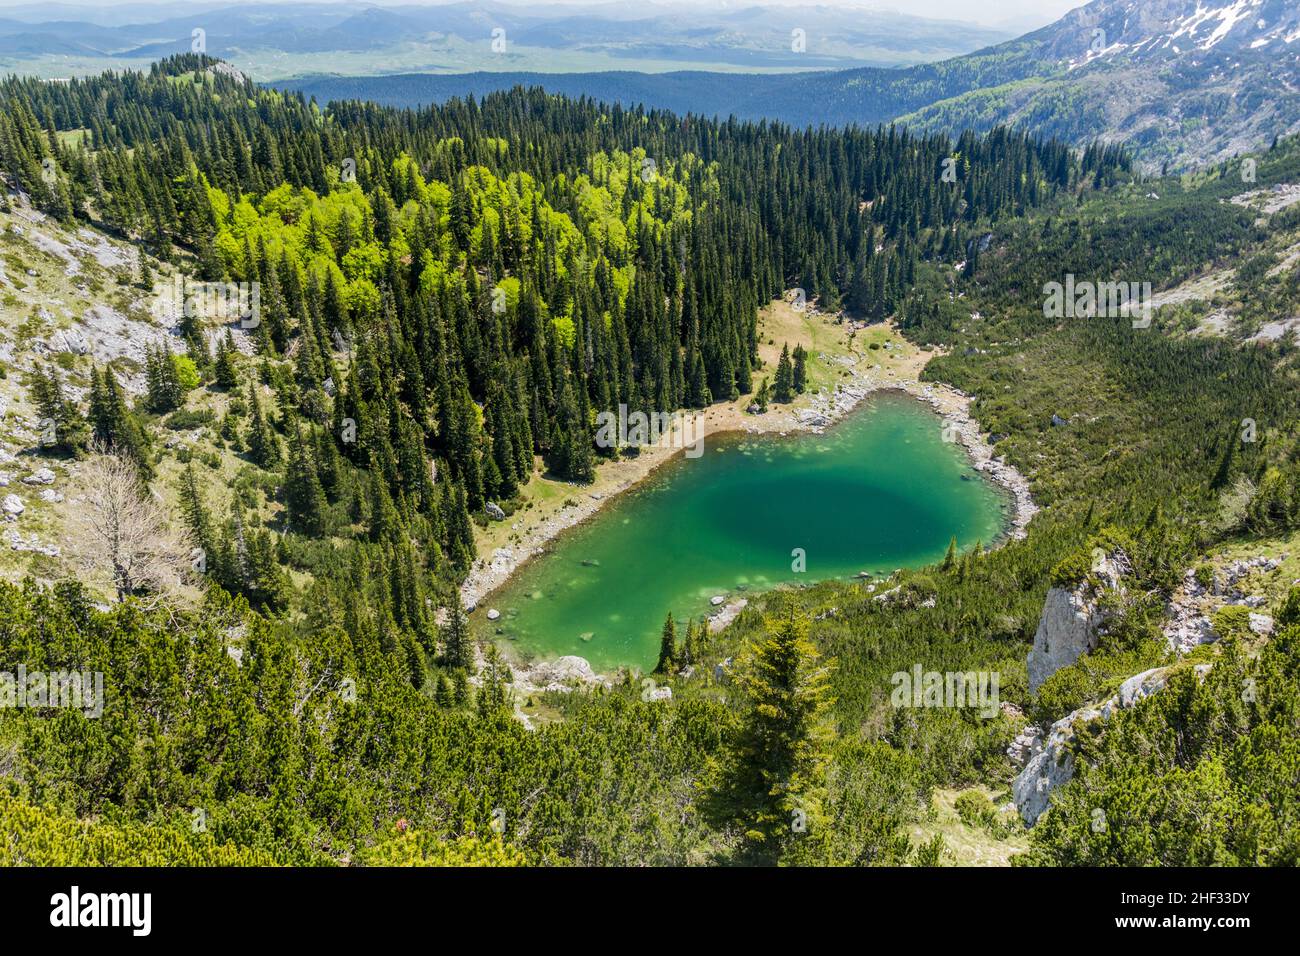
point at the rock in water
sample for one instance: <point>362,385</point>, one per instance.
<point>493,614</point>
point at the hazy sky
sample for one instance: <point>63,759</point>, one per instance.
<point>1019,14</point>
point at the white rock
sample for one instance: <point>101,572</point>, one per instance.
<point>1261,623</point>
<point>1068,626</point>
<point>717,600</point>
<point>13,505</point>
<point>42,476</point>
<point>493,614</point>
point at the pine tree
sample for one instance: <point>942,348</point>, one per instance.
<point>493,692</point>
<point>775,775</point>
<point>950,559</point>
<point>224,369</point>
<point>459,688</point>
<point>667,648</point>
<point>63,427</point>
<point>304,495</point>
<point>800,379</point>
<point>195,512</point>
<point>783,386</point>
<point>457,644</point>
<point>263,446</point>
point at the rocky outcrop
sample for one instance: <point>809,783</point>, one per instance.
<point>1193,604</point>
<point>1050,765</point>
<point>1071,620</point>
<point>562,674</point>
<point>726,615</point>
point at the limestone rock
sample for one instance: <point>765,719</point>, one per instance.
<point>1066,631</point>
<point>494,511</point>
<point>1068,626</point>
<point>42,476</point>
<point>1261,624</point>
<point>13,505</point>
<point>561,674</point>
<point>1026,744</point>
<point>1051,765</point>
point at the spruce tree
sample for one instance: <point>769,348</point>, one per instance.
<point>800,375</point>
<point>783,385</point>
<point>457,644</point>
<point>667,648</point>
<point>773,785</point>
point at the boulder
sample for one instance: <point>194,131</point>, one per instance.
<point>494,511</point>
<point>493,614</point>
<point>42,476</point>
<point>13,505</point>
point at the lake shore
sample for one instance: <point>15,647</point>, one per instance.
<point>532,531</point>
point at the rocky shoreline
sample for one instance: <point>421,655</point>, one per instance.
<point>824,410</point>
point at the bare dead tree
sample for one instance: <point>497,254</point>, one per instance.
<point>123,531</point>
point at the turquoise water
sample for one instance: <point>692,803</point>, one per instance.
<point>880,490</point>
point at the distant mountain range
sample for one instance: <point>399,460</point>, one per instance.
<point>274,41</point>
<point>1183,81</point>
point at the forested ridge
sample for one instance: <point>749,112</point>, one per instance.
<point>315,709</point>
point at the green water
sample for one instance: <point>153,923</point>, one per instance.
<point>879,491</point>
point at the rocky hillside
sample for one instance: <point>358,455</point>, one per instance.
<point>70,298</point>
<point>1183,82</point>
